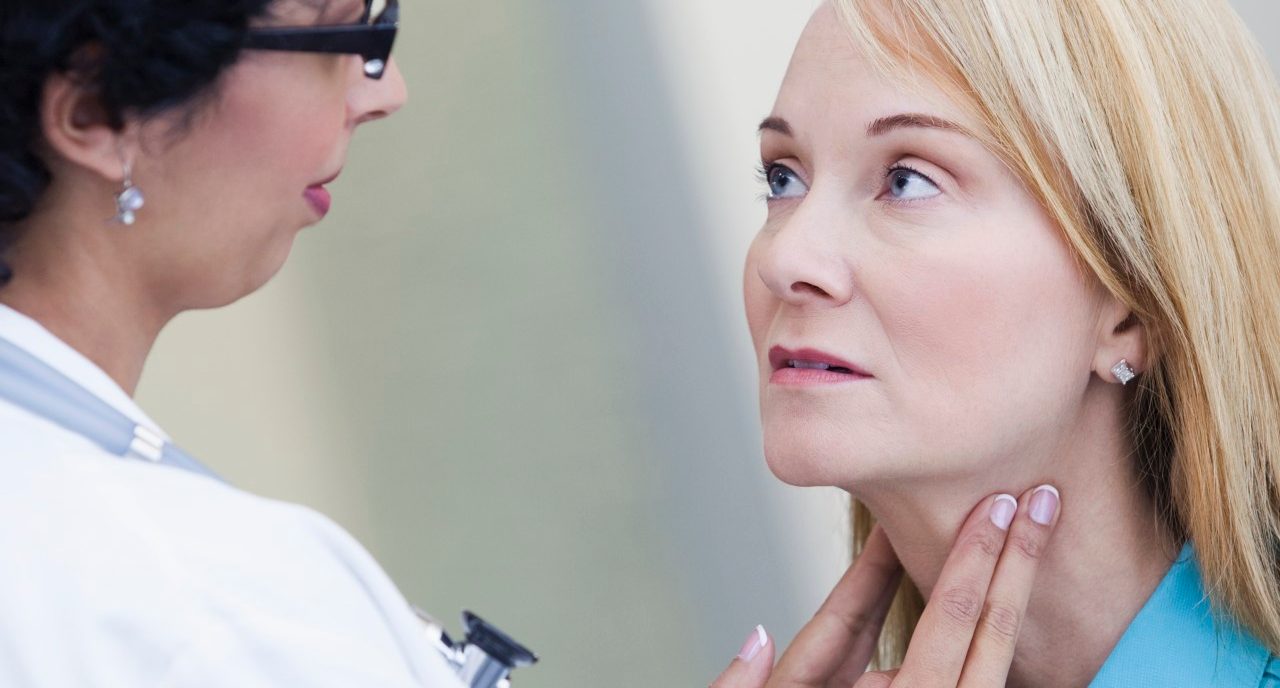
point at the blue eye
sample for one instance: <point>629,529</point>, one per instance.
<point>783,182</point>
<point>905,184</point>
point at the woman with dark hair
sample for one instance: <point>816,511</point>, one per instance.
<point>158,156</point>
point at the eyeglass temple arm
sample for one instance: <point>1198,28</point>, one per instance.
<point>369,42</point>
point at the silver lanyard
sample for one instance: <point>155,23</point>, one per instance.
<point>31,384</point>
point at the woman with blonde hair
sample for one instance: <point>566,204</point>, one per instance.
<point>1020,243</point>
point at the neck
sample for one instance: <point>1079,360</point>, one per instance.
<point>80,290</point>
<point>1107,555</point>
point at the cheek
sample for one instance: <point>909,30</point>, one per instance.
<point>279,119</point>
<point>991,337</point>
<point>234,184</point>
<point>759,301</point>
<point>244,165</point>
<point>283,145</point>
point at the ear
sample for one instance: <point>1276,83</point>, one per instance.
<point>77,130</point>
<point>1121,335</point>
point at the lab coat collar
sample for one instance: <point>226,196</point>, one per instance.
<point>31,336</point>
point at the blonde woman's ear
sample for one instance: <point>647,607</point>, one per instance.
<point>1122,346</point>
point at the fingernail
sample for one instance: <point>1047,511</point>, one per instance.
<point>755,643</point>
<point>1002,511</point>
<point>1044,504</point>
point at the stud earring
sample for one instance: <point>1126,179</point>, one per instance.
<point>130,200</point>
<point>1123,372</point>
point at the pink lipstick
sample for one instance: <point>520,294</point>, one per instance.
<point>811,367</point>
<point>319,198</point>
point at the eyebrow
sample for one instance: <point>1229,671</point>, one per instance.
<point>775,124</point>
<point>880,126</point>
<point>906,120</point>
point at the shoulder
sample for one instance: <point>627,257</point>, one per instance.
<point>138,522</point>
<point>1271,677</point>
<point>174,572</point>
<point>1179,639</point>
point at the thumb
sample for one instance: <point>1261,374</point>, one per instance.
<point>752,666</point>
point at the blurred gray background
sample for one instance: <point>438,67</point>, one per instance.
<point>512,362</point>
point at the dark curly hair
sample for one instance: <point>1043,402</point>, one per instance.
<point>142,57</point>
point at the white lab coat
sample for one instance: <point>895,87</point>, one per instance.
<point>117,572</point>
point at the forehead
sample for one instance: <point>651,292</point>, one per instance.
<point>832,83</point>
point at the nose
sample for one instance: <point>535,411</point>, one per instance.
<point>374,99</point>
<point>806,261</point>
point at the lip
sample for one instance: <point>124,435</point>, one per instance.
<point>784,374</point>
<point>318,196</point>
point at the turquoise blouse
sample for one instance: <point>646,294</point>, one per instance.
<point>1175,642</point>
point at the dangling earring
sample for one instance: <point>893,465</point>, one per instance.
<point>1123,372</point>
<point>130,200</point>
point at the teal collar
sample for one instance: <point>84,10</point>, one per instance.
<point>1176,641</point>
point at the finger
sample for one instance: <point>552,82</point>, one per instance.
<point>997,633</point>
<point>850,612</point>
<point>941,641</point>
<point>864,645</point>
<point>750,669</point>
<point>875,679</point>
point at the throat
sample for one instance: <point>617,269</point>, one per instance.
<point>104,328</point>
<point>1107,555</point>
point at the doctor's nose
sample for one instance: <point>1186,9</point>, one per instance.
<point>805,264</point>
<point>374,99</point>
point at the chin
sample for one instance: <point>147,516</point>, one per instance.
<point>270,262</point>
<point>794,473</point>
<point>803,460</point>
<point>816,455</point>
<point>229,287</point>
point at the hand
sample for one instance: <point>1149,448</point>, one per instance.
<point>966,635</point>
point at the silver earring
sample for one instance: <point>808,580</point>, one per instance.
<point>1123,372</point>
<point>130,200</point>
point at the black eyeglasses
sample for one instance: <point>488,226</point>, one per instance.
<point>371,38</point>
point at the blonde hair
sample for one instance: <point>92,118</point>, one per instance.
<point>1150,131</point>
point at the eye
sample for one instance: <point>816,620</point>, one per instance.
<point>906,184</point>
<point>783,182</point>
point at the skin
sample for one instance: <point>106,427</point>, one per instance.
<point>987,348</point>
<point>224,193</point>
<point>967,640</point>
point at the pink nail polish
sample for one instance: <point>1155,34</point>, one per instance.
<point>1044,504</point>
<point>755,643</point>
<point>1002,511</point>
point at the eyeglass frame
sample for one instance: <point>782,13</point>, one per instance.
<point>371,40</point>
